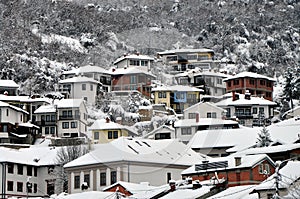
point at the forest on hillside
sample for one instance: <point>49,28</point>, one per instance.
<point>41,39</point>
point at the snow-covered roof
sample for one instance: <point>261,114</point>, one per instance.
<point>202,122</point>
<point>177,51</point>
<point>178,88</point>
<point>162,127</point>
<point>69,103</point>
<point>188,193</point>
<point>45,109</point>
<point>197,72</point>
<point>29,125</point>
<point>4,104</point>
<point>36,156</point>
<point>133,188</point>
<point>101,124</point>
<point>133,57</point>
<point>242,101</point>
<point>130,70</point>
<point>236,192</point>
<point>170,152</point>
<point>78,79</point>
<point>288,175</point>
<point>88,194</point>
<point>8,83</point>
<point>250,74</point>
<point>248,161</point>
<point>86,69</point>
<point>23,99</point>
<point>204,103</point>
<point>240,138</point>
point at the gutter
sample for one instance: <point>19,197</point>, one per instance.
<point>3,183</point>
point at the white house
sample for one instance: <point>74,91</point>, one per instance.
<point>72,117</point>
<point>185,129</point>
<point>249,110</point>
<point>143,62</point>
<point>162,132</point>
<point>204,110</point>
<point>8,87</point>
<point>80,88</point>
<point>130,160</point>
<point>46,119</point>
<point>34,165</point>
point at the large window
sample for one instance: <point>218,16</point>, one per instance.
<point>102,179</point>
<point>262,82</point>
<point>112,134</point>
<point>113,177</point>
<point>76,182</point>
<point>211,115</point>
<point>132,79</point>
<point>115,134</point>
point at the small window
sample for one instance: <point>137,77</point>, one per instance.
<point>261,169</point>
<point>65,125</point>
<point>254,110</point>
<point>47,118</point>
<point>20,169</point>
<point>162,95</point>
<point>10,186</point>
<point>19,186</point>
<point>52,130</point>
<point>10,167</point>
<point>70,113</point>
<point>65,113</point>
<point>96,135</point>
<point>73,125</point>
<point>115,134</point>
<point>29,170</point>
<point>91,87</point>
<point>83,87</point>
<point>110,133</point>
<point>169,177</point>
<point>35,171</point>
<point>229,84</point>
<point>52,118</point>
<point>262,82</point>
<point>113,177</point>
<point>76,182</point>
<point>7,112</point>
<point>186,131</point>
<point>35,188</point>
<point>251,81</point>
<point>192,115</point>
<point>87,179</point>
<point>46,130</point>
<point>236,82</point>
<point>102,179</point>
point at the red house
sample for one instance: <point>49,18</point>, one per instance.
<point>256,84</point>
<point>245,170</point>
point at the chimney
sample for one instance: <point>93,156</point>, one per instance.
<point>196,184</point>
<point>107,119</point>
<point>189,180</point>
<point>172,184</point>
<point>247,95</point>
<point>113,69</point>
<point>233,96</point>
<point>238,161</point>
<point>197,117</point>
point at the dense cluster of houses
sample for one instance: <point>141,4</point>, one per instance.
<point>209,148</point>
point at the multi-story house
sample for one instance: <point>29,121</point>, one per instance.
<point>249,110</point>
<point>204,110</point>
<point>95,72</point>
<point>66,118</point>
<point>256,84</point>
<point>131,160</point>
<point>8,87</point>
<point>80,87</point>
<point>180,60</point>
<point>104,131</point>
<point>143,62</point>
<point>29,167</point>
<point>210,81</point>
<point>177,97</point>
<point>131,79</point>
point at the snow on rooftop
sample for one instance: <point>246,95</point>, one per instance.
<point>78,79</point>
<point>242,101</point>
<point>133,57</point>
<point>129,70</point>
<point>69,103</point>
<point>88,194</point>
<point>4,104</point>
<point>178,88</point>
<point>102,124</point>
<point>202,122</point>
<point>133,188</point>
<point>236,192</point>
<point>204,103</point>
<point>8,83</point>
<point>247,161</point>
<point>188,193</point>
<point>175,51</point>
<point>86,69</point>
<point>140,150</point>
<point>250,74</point>
<point>23,98</point>
<point>45,109</point>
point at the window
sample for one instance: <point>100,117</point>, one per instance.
<point>77,114</point>
<point>192,57</point>
<point>52,130</point>
<point>171,58</point>
<point>169,177</point>
<point>144,63</point>
<point>76,182</point>
<point>20,169</point>
<point>134,62</point>
<point>262,82</point>
<point>264,169</point>
<point>48,118</point>
<point>229,84</point>
<point>10,167</point>
<point>35,188</point>
<point>52,118</point>
<point>83,87</point>
<point>186,131</point>
<point>219,81</point>
<point>162,94</point>
<point>109,136</point>
<point>236,82</point>
<point>29,170</point>
<point>35,171</point>
<point>115,134</point>
<point>46,130</point>
<point>96,135</point>
<point>10,186</point>
<point>65,125</point>
<point>7,112</point>
<point>73,125</point>
<point>261,168</point>
<point>211,115</point>
<point>87,179</point>
<point>65,113</point>
<point>192,115</point>
<point>91,87</point>
<point>269,84</point>
<point>102,179</point>
<point>251,81</point>
<point>261,110</point>
<point>5,128</point>
<point>132,79</point>
<point>254,110</point>
<point>113,177</point>
<point>70,113</point>
<point>267,168</point>
<point>19,186</point>
<point>268,94</point>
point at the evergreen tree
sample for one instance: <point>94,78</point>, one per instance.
<point>264,138</point>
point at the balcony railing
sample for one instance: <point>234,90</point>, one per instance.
<point>69,117</point>
<point>45,123</point>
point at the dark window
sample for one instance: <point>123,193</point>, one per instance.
<point>212,115</point>
<point>52,118</point>
<point>73,125</point>
<point>10,186</point>
<point>48,118</point>
<point>35,171</point>
<point>46,130</point>
<point>162,95</point>
<point>110,134</point>
<point>113,177</point>
<point>65,125</point>
<point>83,87</point>
<point>102,179</point>
<point>251,81</point>
<point>52,130</point>
<point>262,82</point>
<point>65,113</point>
<point>20,169</point>
<point>169,177</point>
<point>254,111</point>
<point>76,182</point>
<point>91,87</point>
<point>19,186</point>
<point>87,179</point>
<point>269,84</point>
<point>69,113</point>
<point>7,112</point>
<point>236,82</point>
<point>115,134</point>
<point>10,168</point>
<point>96,135</point>
<point>229,84</point>
<point>29,170</point>
<point>35,188</point>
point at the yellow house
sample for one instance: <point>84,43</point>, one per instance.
<point>177,97</point>
<point>104,131</point>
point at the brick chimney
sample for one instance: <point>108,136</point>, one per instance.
<point>107,119</point>
<point>238,161</point>
<point>197,117</point>
<point>172,184</point>
<point>233,96</point>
